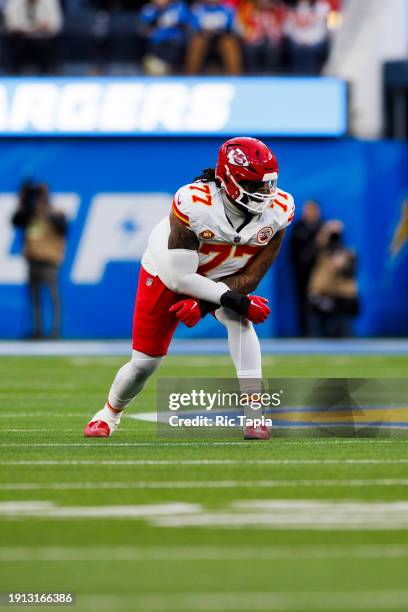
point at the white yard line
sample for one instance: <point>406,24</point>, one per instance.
<point>76,429</point>
<point>197,484</point>
<point>107,554</point>
<point>108,443</point>
<point>162,418</point>
<point>35,385</point>
<point>283,601</point>
<point>33,415</point>
<point>327,515</point>
<point>318,515</point>
<point>255,521</point>
<point>103,443</point>
<point>214,462</point>
<point>48,509</point>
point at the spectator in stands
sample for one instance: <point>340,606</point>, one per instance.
<point>303,249</point>
<point>32,28</point>
<point>261,26</point>
<point>333,293</point>
<point>44,230</point>
<point>165,24</point>
<point>213,24</point>
<point>307,33</point>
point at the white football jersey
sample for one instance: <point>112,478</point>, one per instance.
<point>222,250</point>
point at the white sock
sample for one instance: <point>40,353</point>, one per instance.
<point>129,381</point>
<point>245,352</point>
<point>108,416</point>
<point>131,378</point>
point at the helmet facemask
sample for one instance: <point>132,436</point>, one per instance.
<point>255,196</point>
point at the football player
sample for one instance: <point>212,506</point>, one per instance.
<point>223,233</point>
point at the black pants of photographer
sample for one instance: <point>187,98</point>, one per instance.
<point>42,274</point>
<point>329,325</point>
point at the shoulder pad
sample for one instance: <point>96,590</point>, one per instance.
<point>192,200</point>
<point>285,203</point>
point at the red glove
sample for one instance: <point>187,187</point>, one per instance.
<point>187,311</point>
<point>258,311</point>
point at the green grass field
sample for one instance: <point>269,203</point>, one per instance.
<point>141,523</point>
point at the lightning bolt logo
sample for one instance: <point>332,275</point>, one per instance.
<point>400,237</point>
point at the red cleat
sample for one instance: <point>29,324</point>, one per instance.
<point>257,433</point>
<point>97,429</point>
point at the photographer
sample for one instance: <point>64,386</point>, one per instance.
<point>303,253</point>
<point>332,290</point>
<point>44,230</point>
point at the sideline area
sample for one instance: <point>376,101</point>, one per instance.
<point>216,346</point>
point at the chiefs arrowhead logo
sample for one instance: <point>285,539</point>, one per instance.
<point>237,157</point>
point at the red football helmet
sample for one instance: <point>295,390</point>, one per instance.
<point>248,172</point>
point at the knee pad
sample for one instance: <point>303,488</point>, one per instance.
<point>131,378</point>
<point>229,318</point>
<point>143,365</point>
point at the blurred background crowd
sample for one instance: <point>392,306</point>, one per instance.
<point>160,37</point>
<point>322,266</point>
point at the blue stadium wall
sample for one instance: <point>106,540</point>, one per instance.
<point>114,190</point>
